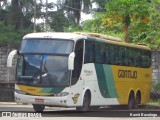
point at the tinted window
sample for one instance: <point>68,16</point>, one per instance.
<point>100,52</point>
<point>106,53</point>
<point>47,46</point>
<point>43,70</point>
<point>108,59</point>
<point>89,52</point>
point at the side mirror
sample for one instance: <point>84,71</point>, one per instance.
<point>71,61</point>
<point>10,58</point>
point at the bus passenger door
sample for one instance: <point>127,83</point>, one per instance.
<point>76,81</point>
<point>77,62</point>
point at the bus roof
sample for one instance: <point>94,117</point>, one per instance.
<point>113,40</point>
<point>81,35</point>
<point>55,35</point>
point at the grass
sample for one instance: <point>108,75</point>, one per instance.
<point>153,103</point>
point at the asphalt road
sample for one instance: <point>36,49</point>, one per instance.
<point>113,111</point>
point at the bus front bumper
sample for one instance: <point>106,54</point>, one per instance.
<point>42,100</point>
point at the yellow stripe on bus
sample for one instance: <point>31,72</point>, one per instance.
<point>32,90</point>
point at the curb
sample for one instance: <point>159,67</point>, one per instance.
<point>8,103</point>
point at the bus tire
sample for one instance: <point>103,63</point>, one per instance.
<point>86,102</point>
<point>137,100</point>
<point>131,101</point>
<point>38,108</point>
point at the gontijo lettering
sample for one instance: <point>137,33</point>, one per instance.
<point>127,74</point>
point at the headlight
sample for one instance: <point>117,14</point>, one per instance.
<point>61,94</point>
<point>20,92</point>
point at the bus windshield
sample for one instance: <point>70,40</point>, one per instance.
<point>43,70</point>
<point>46,46</point>
<point>44,63</point>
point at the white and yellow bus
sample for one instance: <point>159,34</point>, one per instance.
<point>81,70</point>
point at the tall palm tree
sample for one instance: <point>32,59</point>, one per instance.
<point>15,14</point>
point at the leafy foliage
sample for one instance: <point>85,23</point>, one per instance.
<point>126,12</point>
<point>8,35</point>
<point>58,21</point>
<point>94,25</point>
<point>139,19</point>
<point>101,5</point>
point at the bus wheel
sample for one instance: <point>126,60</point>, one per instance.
<point>86,102</point>
<point>137,100</point>
<point>131,101</point>
<point>38,108</point>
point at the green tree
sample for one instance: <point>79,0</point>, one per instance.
<point>95,24</point>
<point>149,33</point>
<point>20,14</point>
<point>15,21</point>
<point>58,21</point>
<point>153,33</point>
<point>8,34</point>
<point>16,15</point>
<point>3,15</point>
<point>126,11</point>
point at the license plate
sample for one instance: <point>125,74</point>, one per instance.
<point>39,100</point>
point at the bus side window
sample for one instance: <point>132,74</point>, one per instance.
<point>133,54</point>
<point>119,55</point>
<point>100,53</point>
<point>130,56</point>
<point>142,59</point>
<point>107,54</point>
<point>124,56</point>
<point>78,61</point>
<point>112,54</point>
<point>148,59</point>
<point>127,62</point>
<point>138,59</point>
<point>89,52</point>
